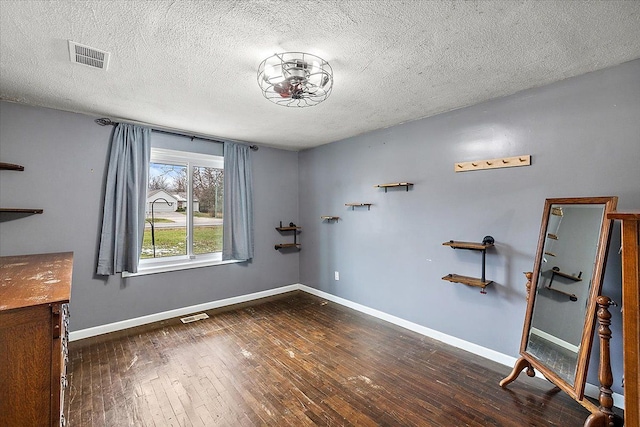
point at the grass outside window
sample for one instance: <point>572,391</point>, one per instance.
<point>172,241</point>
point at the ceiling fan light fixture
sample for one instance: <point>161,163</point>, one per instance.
<point>295,79</point>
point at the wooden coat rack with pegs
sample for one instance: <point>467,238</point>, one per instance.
<point>503,162</point>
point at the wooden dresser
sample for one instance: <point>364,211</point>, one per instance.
<point>630,313</point>
<point>34,297</point>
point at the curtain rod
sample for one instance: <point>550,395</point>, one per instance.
<point>106,122</point>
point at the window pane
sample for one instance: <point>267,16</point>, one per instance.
<point>207,209</point>
<point>165,232</point>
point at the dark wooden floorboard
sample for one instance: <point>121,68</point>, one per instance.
<point>296,361</point>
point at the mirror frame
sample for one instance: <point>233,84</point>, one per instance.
<point>575,390</point>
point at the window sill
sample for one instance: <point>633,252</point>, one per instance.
<point>182,264</point>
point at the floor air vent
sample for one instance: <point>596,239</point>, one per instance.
<point>194,318</point>
<point>89,56</point>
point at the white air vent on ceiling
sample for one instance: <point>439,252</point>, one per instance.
<point>89,56</point>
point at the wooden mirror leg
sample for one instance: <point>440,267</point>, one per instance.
<point>521,364</point>
<point>599,419</point>
<point>605,416</point>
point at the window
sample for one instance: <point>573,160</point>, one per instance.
<point>184,215</point>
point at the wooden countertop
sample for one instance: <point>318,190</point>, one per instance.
<point>27,280</point>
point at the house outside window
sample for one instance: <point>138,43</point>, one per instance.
<point>184,211</point>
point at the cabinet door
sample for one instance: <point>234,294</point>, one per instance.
<point>25,361</point>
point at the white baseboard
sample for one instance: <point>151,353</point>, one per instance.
<point>590,389</point>
<point>423,330</point>
<point>555,340</point>
<point>157,317</point>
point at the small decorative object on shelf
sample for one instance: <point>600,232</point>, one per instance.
<point>292,227</point>
<point>481,282</point>
<point>354,205</point>
<point>394,184</point>
<point>329,218</point>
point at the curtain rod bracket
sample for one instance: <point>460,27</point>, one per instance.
<point>105,122</point>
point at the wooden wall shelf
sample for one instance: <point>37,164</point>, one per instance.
<point>471,281</point>
<point>468,245</point>
<point>21,210</point>
<point>481,282</point>
<point>577,278</point>
<point>572,297</point>
<point>11,167</point>
<point>290,228</point>
<point>287,245</point>
<point>329,218</point>
<point>406,185</point>
<point>8,214</point>
<point>555,271</point>
<point>355,205</point>
<point>503,162</point>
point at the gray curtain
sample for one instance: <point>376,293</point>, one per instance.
<point>125,200</point>
<point>238,203</point>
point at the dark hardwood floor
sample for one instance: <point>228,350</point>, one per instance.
<point>297,361</point>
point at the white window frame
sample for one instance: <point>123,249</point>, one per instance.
<point>182,262</point>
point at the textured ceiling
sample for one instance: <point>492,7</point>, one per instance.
<point>191,65</point>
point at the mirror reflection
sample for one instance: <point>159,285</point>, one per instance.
<point>563,286</point>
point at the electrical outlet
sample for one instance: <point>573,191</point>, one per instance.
<point>336,275</point>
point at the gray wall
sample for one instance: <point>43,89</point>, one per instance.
<point>584,137</point>
<point>583,134</point>
<point>65,157</point>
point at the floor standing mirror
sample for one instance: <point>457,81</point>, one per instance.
<point>566,280</point>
